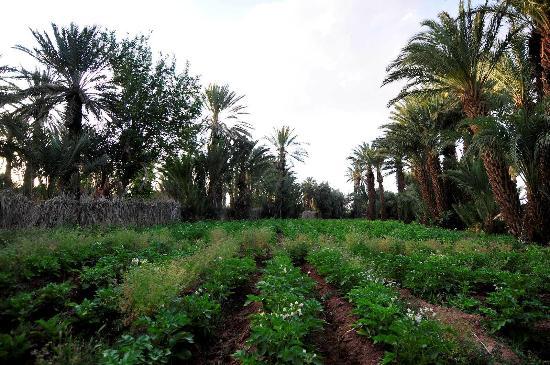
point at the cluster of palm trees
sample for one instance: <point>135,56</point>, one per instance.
<point>100,116</point>
<point>233,166</point>
<point>479,80</point>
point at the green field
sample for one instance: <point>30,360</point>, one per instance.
<point>250,292</point>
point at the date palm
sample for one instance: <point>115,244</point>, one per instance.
<point>379,158</point>
<point>365,155</point>
<point>538,14</point>
<point>34,110</point>
<point>224,109</point>
<point>287,149</point>
<point>78,59</point>
<point>354,174</point>
<point>249,162</point>
<point>394,164</point>
<point>521,131</point>
<point>415,126</point>
<point>458,56</point>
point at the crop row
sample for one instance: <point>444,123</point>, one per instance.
<point>289,314</point>
<point>506,287</point>
<point>132,293</point>
<point>172,330</point>
<point>410,336</point>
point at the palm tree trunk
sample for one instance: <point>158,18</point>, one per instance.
<point>8,182</point>
<point>535,42</point>
<point>28,179</point>
<point>279,198</point>
<point>380,180</point>
<point>434,170</point>
<point>356,182</point>
<point>400,179</point>
<point>545,60</point>
<point>74,124</point>
<point>242,196</point>
<point>450,162</point>
<point>399,176</point>
<point>371,193</point>
<point>504,190</point>
<point>422,179</point>
<point>533,219</point>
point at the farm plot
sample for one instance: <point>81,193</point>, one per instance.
<point>272,291</point>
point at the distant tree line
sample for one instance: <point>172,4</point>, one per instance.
<point>106,117</point>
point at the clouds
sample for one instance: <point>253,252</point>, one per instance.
<point>316,65</point>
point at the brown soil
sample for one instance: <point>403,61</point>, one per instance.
<point>339,343</point>
<point>467,325</point>
<point>234,329</point>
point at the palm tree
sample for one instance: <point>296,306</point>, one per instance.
<point>354,174</point>
<point>394,164</point>
<point>79,61</point>
<point>458,56</point>
<point>287,149</point>
<point>513,74</point>
<point>9,124</point>
<point>183,179</point>
<point>538,14</point>
<point>34,110</point>
<point>479,207</point>
<point>378,161</point>
<point>366,157</point>
<point>224,123</point>
<point>522,130</point>
<point>427,119</point>
<point>249,163</point>
<point>224,106</point>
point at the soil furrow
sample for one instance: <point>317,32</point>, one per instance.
<point>234,329</point>
<point>339,343</point>
<point>468,325</point>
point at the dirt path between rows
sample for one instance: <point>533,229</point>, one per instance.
<point>339,343</point>
<point>467,325</point>
<point>234,330</point>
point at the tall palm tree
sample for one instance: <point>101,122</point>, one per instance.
<point>224,109</point>
<point>287,149</point>
<point>79,61</point>
<point>458,56</point>
<point>366,157</point>
<point>538,14</point>
<point>9,125</point>
<point>426,118</point>
<point>354,174</point>
<point>522,130</point>
<point>35,111</point>
<point>394,164</point>
<point>378,160</point>
<point>513,74</point>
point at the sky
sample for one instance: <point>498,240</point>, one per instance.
<point>315,65</point>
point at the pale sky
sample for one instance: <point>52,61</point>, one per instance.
<point>316,65</point>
